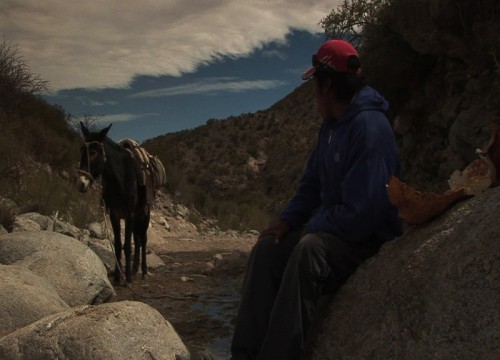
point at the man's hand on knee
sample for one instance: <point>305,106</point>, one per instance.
<point>279,231</point>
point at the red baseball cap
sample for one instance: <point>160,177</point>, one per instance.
<point>334,55</point>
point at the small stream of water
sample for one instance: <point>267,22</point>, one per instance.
<point>223,309</point>
<point>219,306</point>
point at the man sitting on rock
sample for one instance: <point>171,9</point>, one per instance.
<point>339,216</point>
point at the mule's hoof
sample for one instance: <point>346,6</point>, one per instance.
<point>145,276</point>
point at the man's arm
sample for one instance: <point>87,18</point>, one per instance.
<point>307,197</point>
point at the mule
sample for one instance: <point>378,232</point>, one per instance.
<point>123,196</point>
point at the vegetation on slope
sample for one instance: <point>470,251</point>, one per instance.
<point>38,146</point>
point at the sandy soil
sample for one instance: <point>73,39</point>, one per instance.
<point>195,285</point>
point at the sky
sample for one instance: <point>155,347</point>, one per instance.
<point>153,67</point>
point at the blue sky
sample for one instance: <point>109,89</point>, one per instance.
<point>153,106</point>
<point>156,66</point>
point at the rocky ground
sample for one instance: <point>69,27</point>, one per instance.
<point>195,279</point>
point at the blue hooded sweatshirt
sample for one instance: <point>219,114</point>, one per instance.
<point>343,190</point>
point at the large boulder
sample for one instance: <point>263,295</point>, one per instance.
<point>113,331</point>
<point>44,222</point>
<point>432,294</point>
<point>74,270</point>
<point>25,298</point>
<point>104,251</point>
<point>100,230</point>
<point>25,223</point>
<point>34,222</point>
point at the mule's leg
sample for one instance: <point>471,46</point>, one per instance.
<point>115,224</point>
<point>129,223</point>
<point>144,263</point>
<point>144,232</point>
<point>137,247</point>
<point>141,225</point>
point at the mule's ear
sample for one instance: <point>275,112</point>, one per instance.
<point>85,131</point>
<point>104,131</point>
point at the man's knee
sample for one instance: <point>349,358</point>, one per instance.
<point>309,253</point>
<point>310,245</point>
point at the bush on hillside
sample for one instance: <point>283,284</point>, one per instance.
<point>15,73</point>
<point>352,17</point>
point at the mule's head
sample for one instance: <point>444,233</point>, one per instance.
<point>92,157</point>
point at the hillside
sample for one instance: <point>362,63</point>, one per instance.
<point>250,161</point>
<point>437,63</point>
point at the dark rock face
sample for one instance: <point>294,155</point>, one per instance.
<point>432,294</point>
<point>456,98</point>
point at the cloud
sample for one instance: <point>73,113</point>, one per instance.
<point>104,44</point>
<point>274,54</point>
<point>114,118</point>
<point>211,86</point>
<point>92,102</point>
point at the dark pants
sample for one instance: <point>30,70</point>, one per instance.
<point>282,286</point>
